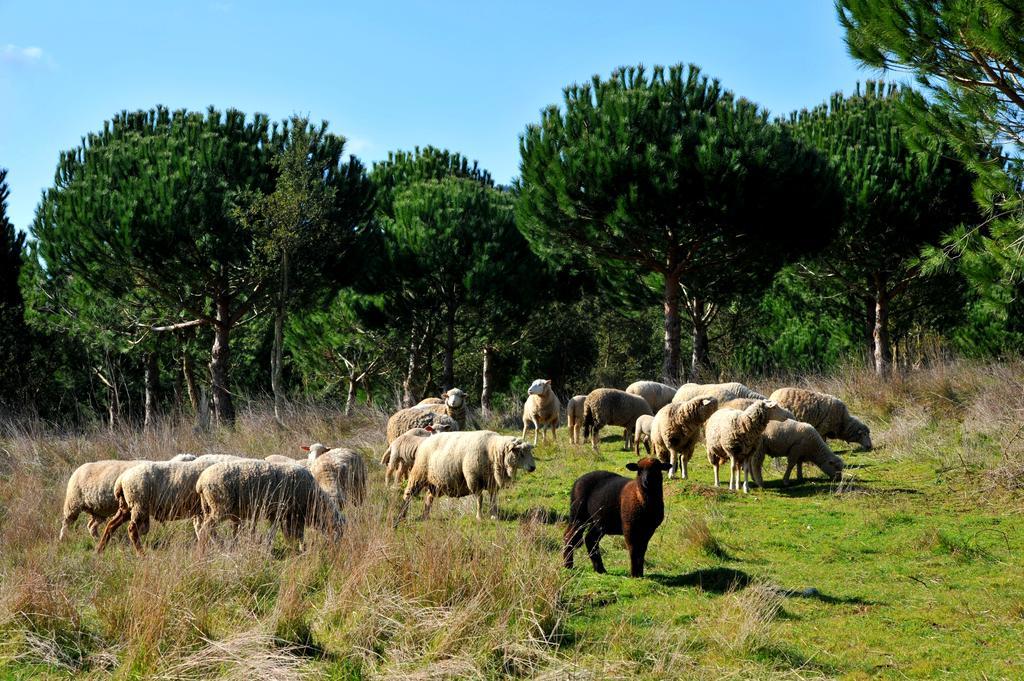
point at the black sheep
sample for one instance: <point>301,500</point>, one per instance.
<point>603,503</point>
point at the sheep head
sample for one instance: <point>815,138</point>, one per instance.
<point>454,398</point>
<point>648,472</point>
<point>540,386</point>
<point>518,454</point>
<point>858,431</point>
<point>315,450</point>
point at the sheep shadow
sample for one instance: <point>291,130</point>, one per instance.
<point>717,580</point>
<point>536,514</point>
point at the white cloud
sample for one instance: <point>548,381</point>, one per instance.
<point>24,56</point>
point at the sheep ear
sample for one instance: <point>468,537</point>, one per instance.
<point>632,467</point>
<point>429,429</point>
<point>304,448</point>
<point>548,381</point>
<point>770,403</point>
<point>664,466</point>
<point>706,401</point>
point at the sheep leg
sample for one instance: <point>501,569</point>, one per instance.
<point>133,533</point>
<point>494,504</point>
<point>535,429</point>
<point>428,501</point>
<point>683,461</point>
<point>95,522</point>
<point>592,539</point>
<point>627,439</point>
<point>637,549</point>
<point>573,539</point>
<point>800,469</point>
<point>480,505</point>
<point>789,469</point>
<point>116,521</point>
<point>746,471</point>
<point>715,467</point>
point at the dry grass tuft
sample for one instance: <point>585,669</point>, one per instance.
<point>742,619</point>
<point>697,535</point>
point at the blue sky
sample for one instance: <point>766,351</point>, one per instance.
<point>387,75</point>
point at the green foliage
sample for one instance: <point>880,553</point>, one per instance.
<point>15,342</point>
<point>668,173</point>
<point>966,56</point>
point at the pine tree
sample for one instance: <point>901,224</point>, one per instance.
<point>668,178</point>
<point>14,338</point>
<point>899,199</point>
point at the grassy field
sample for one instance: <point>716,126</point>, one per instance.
<point>907,568</point>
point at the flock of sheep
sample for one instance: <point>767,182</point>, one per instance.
<point>429,447</point>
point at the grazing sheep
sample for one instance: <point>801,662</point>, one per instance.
<point>400,455</point>
<point>642,434</point>
<point>604,503</point>
<point>798,442</point>
<point>413,417</point>
<point>460,464</point>
<point>676,429</point>
<point>574,417</point>
<point>90,490</point>
<point>162,490</point>
<point>611,407</point>
<point>723,392</point>
<point>827,413</point>
<point>454,405</point>
<point>541,409</point>
<point>656,394</point>
<point>736,435</point>
<point>342,474</point>
<point>284,494</point>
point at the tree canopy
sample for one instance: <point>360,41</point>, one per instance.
<point>666,173</point>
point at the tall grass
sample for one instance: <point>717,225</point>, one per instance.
<point>475,599</point>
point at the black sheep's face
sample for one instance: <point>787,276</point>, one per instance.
<point>648,471</point>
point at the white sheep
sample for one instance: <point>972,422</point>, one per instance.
<point>460,464</point>
<point>611,407</point>
<point>779,413</point>
<point>400,455</point>
<point>827,413</point>
<point>734,435</point>
<point>675,430</point>
<point>90,490</point>
<point>542,409</point>
<point>161,490</point>
<point>286,495</point>
<point>342,474</point>
<point>454,405</point>
<point>797,442</point>
<point>723,392</point>
<point>642,433</point>
<point>574,417</point>
<point>656,394</point>
<point>416,417</point>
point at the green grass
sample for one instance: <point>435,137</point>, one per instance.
<point>908,568</point>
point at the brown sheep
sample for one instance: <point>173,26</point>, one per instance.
<point>605,503</point>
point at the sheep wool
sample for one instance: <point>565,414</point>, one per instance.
<point>734,435</point>
<point>642,434</point>
<point>413,417</point>
<point>656,394</point>
<point>460,464</point>
<point>90,490</point>
<point>611,407</point>
<point>675,430</point>
<point>249,490</point>
<point>542,409</point>
<point>797,442</point>
<point>827,413</point>
<point>162,490</point>
<point>341,473</point>
<point>723,392</point>
<point>776,413</point>
<point>574,417</point>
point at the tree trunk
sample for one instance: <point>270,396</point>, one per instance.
<point>220,367</point>
<point>488,380</point>
<point>448,380</point>
<point>883,353</point>
<point>411,372</point>
<point>150,373</point>
<point>276,355</point>
<point>670,349</point>
<point>179,394</point>
<point>188,370</point>
<point>350,400</point>
<point>869,326</point>
<point>700,360</point>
